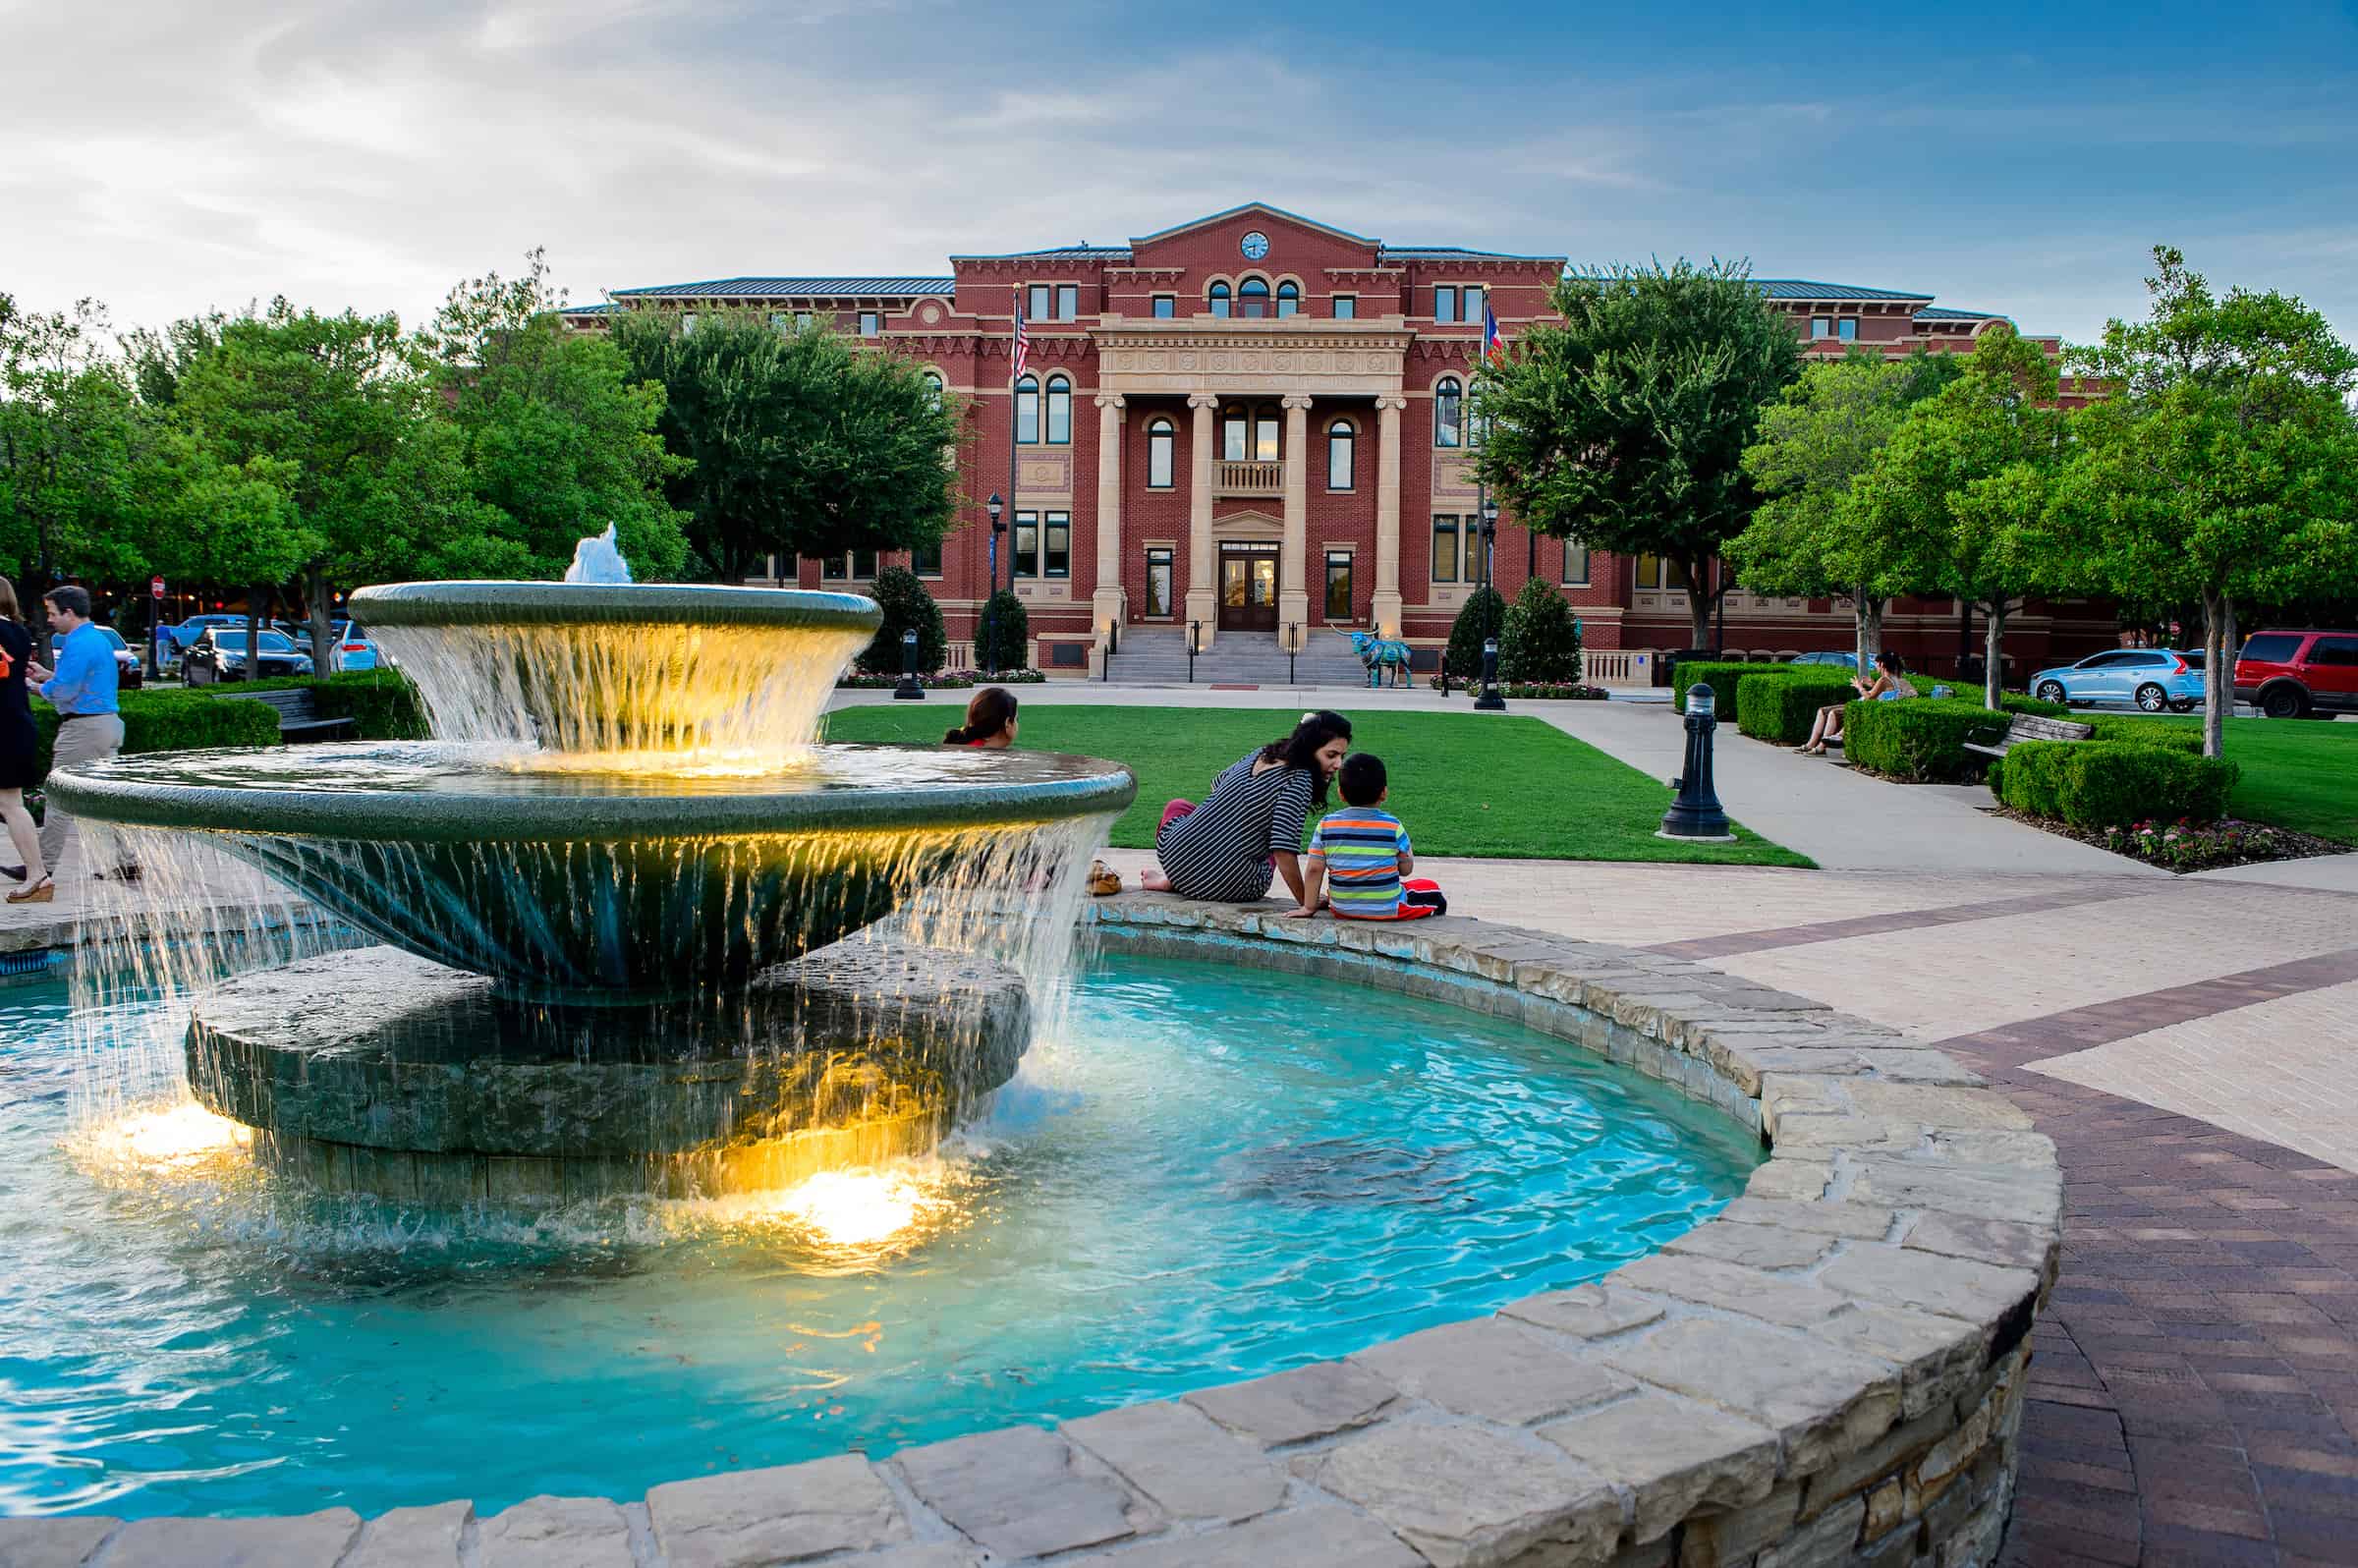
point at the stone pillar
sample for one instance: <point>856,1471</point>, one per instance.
<point>1202,590</point>
<point>1107,601</point>
<point>1292,569</point>
<point>1386,602</point>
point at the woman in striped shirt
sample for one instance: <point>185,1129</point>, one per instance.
<point>1248,828</point>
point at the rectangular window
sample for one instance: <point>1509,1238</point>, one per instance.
<point>1655,572</point>
<point>1338,584</point>
<point>2339,651</point>
<point>871,323</point>
<point>1037,309</point>
<point>2269,648</point>
<point>1474,303</point>
<point>802,320</point>
<point>1821,326</point>
<point>1444,549</point>
<point>926,559</point>
<point>1346,307</point>
<point>834,568</point>
<point>1158,584</point>
<point>779,319</point>
<point>1576,562</point>
<point>1068,302</point>
<point>1166,307</point>
<point>863,565</point>
<point>1027,545</point>
<point>1056,553</point>
<point>1847,329</point>
<point>687,322</point>
<point>1444,303</point>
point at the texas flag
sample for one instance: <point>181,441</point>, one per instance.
<point>1493,341</point>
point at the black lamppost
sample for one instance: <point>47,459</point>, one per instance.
<point>1694,812</point>
<point>995,506</point>
<point>909,690</point>
<point>1490,538</point>
<point>1490,700</point>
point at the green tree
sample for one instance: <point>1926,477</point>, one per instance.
<point>1003,636</point>
<point>1625,426</point>
<point>69,429</point>
<point>1482,617</point>
<point>556,435</point>
<point>802,442</point>
<point>2225,467</point>
<point>345,411</point>
<point>906,607</point>
<point>1542,640</point>
<point>1815,442</point>
<point>1958,495</point>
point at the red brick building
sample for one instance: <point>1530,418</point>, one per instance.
<point>1254,424</point>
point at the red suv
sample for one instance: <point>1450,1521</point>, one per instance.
<point>2294,674</point>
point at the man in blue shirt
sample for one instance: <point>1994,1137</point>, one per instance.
<point>89,727</point>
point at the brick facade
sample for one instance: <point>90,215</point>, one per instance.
<point>1296,362</point>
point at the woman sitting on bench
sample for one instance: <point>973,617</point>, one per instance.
<point>1889,685</point>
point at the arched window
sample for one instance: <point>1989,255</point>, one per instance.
<point>1027,410</point>
<point>933,386</point>
<point>1060,409</point>
<point>1162,439</point>
<point>1253,298</point>
<point>1341,445</point>
<point>1448,412</point>
<point>1219,299</point>
<point>1289,297</point>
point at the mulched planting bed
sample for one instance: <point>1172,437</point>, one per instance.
<point>2184,847</point>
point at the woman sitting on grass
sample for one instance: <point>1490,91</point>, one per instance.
<point>1889,685</point>
<point>1248,828</point>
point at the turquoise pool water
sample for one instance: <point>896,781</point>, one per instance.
<point>1205,1174</point>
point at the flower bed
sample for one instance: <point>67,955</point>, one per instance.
<point>2186,846</point>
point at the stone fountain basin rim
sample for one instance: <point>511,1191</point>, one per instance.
<point>491,602</point>
<point>450,817</point>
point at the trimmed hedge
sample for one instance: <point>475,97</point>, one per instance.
<point>1721,676</point>
<point>2144,732</point>
<point>382,703</point>
<point>2114,783</point>
<point>1780,706</point>
<point>1919,739</point>
<point>171,721</point>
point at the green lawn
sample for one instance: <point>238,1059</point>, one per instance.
<point>2301,775</point>
<point>1465,784</point>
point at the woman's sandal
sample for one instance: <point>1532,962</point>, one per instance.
<point>40,892</point>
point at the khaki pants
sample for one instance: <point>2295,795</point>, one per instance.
<point>83,740</point>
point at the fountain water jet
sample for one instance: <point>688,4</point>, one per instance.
<point>646,934</point>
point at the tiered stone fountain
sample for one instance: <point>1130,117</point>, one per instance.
<point>617,889</point>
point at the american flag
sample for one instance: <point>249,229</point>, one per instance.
<point>1493,341</point>
<point>1023,344</point>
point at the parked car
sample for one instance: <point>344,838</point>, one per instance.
<point>219,654</point>
<point>128,674</point>
<point>2287,674</point>
<point>2152,678</point>
<point>353,649</point>
<point>182,638</point>
<point>1844,661</point>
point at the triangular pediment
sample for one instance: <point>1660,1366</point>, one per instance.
<point>1250,524</point>
<point>1257,209</point>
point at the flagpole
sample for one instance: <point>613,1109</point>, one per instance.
<point>1015,372</point>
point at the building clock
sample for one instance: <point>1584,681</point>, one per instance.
<point>1255,245</point>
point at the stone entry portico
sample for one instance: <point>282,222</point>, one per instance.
<point>1299,363</point>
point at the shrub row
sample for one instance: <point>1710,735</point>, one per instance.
<point>1920,739</point>
<point>1723,677</point>
<point>1779,705</point>
<point>2114,783</point>
<point>171,721</point>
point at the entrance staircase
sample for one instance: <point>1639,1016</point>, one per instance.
<point>1158,657</point>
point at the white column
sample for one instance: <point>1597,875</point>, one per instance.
<point>1293,580</point>
<point>1203,591</point>
<point>1106,603</point>
<point>1386,602</point>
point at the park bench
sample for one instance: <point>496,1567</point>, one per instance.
<point>297,713</point>
<point>2031,727</point>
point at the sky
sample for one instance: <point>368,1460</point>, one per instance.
<point>168,158</point>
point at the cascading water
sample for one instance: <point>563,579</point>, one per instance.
<point>650,938</point>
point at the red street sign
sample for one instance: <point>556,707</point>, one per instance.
<point>155,586</point>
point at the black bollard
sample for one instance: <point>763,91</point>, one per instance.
<point>1694,812</point>
<point>909,690</point>
<point>1193,628</point>
<point>1293,645</point>
<point>1490,701</point>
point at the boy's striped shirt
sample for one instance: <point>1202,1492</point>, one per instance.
<point>1362,847</point>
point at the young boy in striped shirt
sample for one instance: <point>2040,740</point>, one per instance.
<point>1362,856</point>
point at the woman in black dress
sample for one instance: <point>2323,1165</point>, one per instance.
<point>18,746</point>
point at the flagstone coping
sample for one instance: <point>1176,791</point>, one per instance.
<point>1831,1373</point>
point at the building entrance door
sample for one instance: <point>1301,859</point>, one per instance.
<point>1248,587</point>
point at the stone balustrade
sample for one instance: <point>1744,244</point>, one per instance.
<point>1828,1375</point>
<point>1249,478</point>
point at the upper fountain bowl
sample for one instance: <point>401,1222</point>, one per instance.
<point>600,671</point>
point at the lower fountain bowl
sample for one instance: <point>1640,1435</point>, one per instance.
<point>376,1071</point>
<point>623,884</point>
